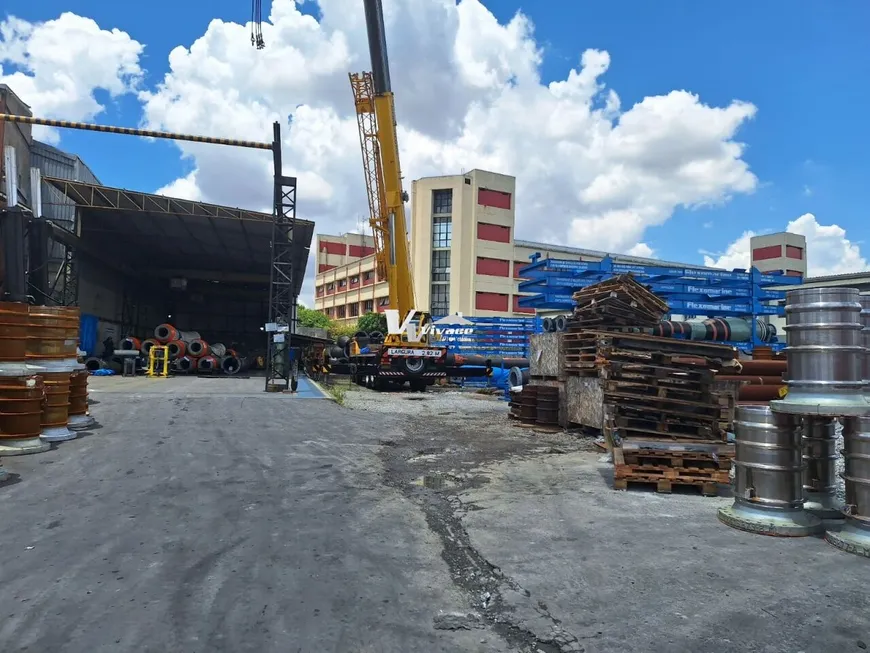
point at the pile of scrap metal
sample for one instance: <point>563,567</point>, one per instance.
<point>187,351</point>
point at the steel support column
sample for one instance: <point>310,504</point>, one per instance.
<point>281,367</point>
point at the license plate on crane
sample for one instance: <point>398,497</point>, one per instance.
<point>413,353</point>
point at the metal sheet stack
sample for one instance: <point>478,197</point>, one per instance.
<point>786,454</point>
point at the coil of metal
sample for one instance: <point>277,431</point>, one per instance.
<point>518,377</point>
<point>547,325</point>
<point>56,375</point>
<point>166,333</point>
<point>14,323</point>
<point>819,443</point>
<point>21,399</point>
<point>145,349</point>
<point>524,404</point>
<point>825,353</point>
<point>131,344</point>
<point>233,364</point>
<point>208,364</point>
<point>53,333</point>
<point>218,350</point>
<point>768,488</point>
<point>854,536</point>
<point>176,349</point>
<point>186,364</point>
<point>198,348</point>
<point>547,406</point>
<point>79,419</point>
<point>560,323</point>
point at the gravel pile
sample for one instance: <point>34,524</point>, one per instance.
<point>440,403</point>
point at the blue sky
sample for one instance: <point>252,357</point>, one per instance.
<point>801,63</point>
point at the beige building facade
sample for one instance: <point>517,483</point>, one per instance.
<point>464,254</point>
<point>781,252</point>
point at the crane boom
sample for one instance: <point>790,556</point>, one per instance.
<point>376,117</point>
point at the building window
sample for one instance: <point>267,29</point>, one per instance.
<point>367,276</point>
<point>330,287</point>
<point>342,283</point>
<point>328,312</point>
<point>319,291</point>
<point>342,312</point>
<point>441,265</point>
<point>353,309</point>
<point>440,302</point>
<point>354,279</point>
<point>368,306</point>
<point>442,202</point>
<point>442,232</point>
<point>384,301</point>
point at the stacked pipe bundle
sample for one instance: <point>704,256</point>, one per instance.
<point>189,352</point>
<point>21,391</point>
<point>825,377</point>
<point>760,380</point>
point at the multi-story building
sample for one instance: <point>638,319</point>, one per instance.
<point>781,252</point>
<point>464,255</point>
<point>347,285</point>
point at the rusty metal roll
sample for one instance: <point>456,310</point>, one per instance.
<point>177,349</point>
<point>186,364</point>
<point>79,416</point>
<point>53,333</point>
<point>21,399</point>
<point>547,406</point>
<point>208,364</point>
<point>763,367</point>
<point>525,404</point>
<point>145,349</point>
<point>14,325</point>
<point>131,344</point>
<point>197,348</point>
<point>56,376</point>
<point>768,488</point>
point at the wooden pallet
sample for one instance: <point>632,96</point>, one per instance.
<point>665,486</point>
<point>689,460</point>
<point>641,343</point>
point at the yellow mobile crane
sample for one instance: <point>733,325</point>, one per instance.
<point>407,356</point>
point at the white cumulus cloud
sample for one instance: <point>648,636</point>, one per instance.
<point>469,94</point>
<point>55,66</point>
<point>829,251</point>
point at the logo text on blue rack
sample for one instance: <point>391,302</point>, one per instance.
<point>409,328</point>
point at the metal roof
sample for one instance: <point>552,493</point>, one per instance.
<point>619,258</point>
<point>165,236</point>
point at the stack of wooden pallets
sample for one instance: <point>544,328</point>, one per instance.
<point>658,391</point>
<point>620,302</point>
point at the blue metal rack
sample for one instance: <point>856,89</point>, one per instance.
<point>492,336</point>
<point>688,291</point>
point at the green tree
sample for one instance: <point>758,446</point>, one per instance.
<point>372,322</point>
<point>338,329</point>
<point>308,317</point>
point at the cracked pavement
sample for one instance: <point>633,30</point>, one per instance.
<point>208,516</point>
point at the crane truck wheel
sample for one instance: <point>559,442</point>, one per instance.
<point>414,365</point>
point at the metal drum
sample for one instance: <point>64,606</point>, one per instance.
<point>820,456</point>
<point>825,353</point>
<point>854,537</point>
<point>768,488</point>
<point>547,406</point>
<point>865,340</point>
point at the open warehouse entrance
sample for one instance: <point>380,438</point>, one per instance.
<point>142,259</point>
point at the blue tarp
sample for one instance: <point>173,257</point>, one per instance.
<point>88,336</point>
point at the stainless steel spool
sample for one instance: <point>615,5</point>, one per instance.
<point>819,443</point>
<point>825,353</point>
<point>865,338</point>
<point>854,537</point>
<point>768,467</point>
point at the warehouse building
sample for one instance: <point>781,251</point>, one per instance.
<point>464,253</point>
<point>132,260</point>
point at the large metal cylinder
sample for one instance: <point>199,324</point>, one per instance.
<point>819,443</point>
<point>854,537</point>
<point>768,489</point>
<point>865,341</point>
<point>825,353</point>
